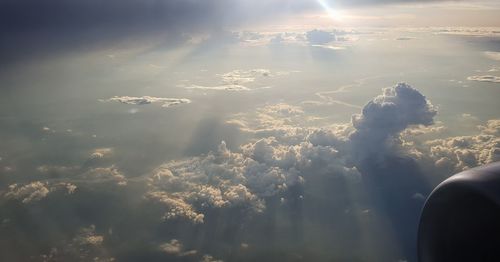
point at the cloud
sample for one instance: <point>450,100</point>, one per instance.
<point>172,247</point>
<point>28,193</point>
<point>86,245</point>
<point>492,55</point>
<point>220,179</point>
<point>36,191</point>
<point>335,39</point>
<point>75,25</point>
<point>220,88</point>
<point>282,121</point>
<point>454,154</point>
<point>492,127</point>
<point>105,174</point>
<point>176,248</point>
<point>291,170</point>
<point>320,37</point>
<point>244,76</point>
<point>467,31</point>
<point>145,100</point>
<point>237,80</point>
<point>101,153</point>
<point>485,78</point>
<point>210,258</point>
<point>386,116</point>
<point>331,47</point>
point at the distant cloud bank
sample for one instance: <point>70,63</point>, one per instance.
<point>145,100</point>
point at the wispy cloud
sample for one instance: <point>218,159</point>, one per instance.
<point>145,100</point>
<point>485,78</point>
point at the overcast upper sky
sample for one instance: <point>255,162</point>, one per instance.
<point>29,28</point>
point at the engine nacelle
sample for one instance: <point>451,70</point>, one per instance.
<point>461,218</point>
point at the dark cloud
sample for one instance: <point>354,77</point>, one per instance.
<point>30,28</point>
<point>319,37</point>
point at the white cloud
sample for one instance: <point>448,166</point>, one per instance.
<point>485,78</point>
<point>176,248</point>
<point>210,258</point>
<point>383,118</point>
<point>220,88</point>
<point>144,100</point>
<point>237,77</point>
<point>28,193</point>
<point>454,154</point>
<point>468,31</point>
<point>331,47</point>
<point>99,153</point>
<point>492,127</point>
<point>105,174</point>
<point>36,190</point>
<point>239,80</point>
<point>88,236</point>
<point>173,247</point>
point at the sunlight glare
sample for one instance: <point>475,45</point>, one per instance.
<point>332,13</point>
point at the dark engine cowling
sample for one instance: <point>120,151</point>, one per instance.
<point>461,218</point>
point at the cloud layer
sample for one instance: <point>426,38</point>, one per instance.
<point>288,179</point>
<point>145,100</point>
<point>485,78</point>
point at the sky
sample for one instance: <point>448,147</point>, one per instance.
<point>189,130</point>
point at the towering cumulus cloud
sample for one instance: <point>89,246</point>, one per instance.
<point>386,116</point>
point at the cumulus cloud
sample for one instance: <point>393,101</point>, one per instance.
<point>286,151</point>
<point>86,245</point>
<point>105,174</point>
<point>36,191</point>
<point>144,100</point>
<point>28,193</point>
<point>264,168</point>
<point>485,78</point>
<point>220,179</point>
<point>492,127</point>
<point>210,258</point>
<point>282,121</point>
<point>337,148</point>
<point>175,247</point>
<point>454,154</point>
<point>386,116</point>
<point>101,153</point>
